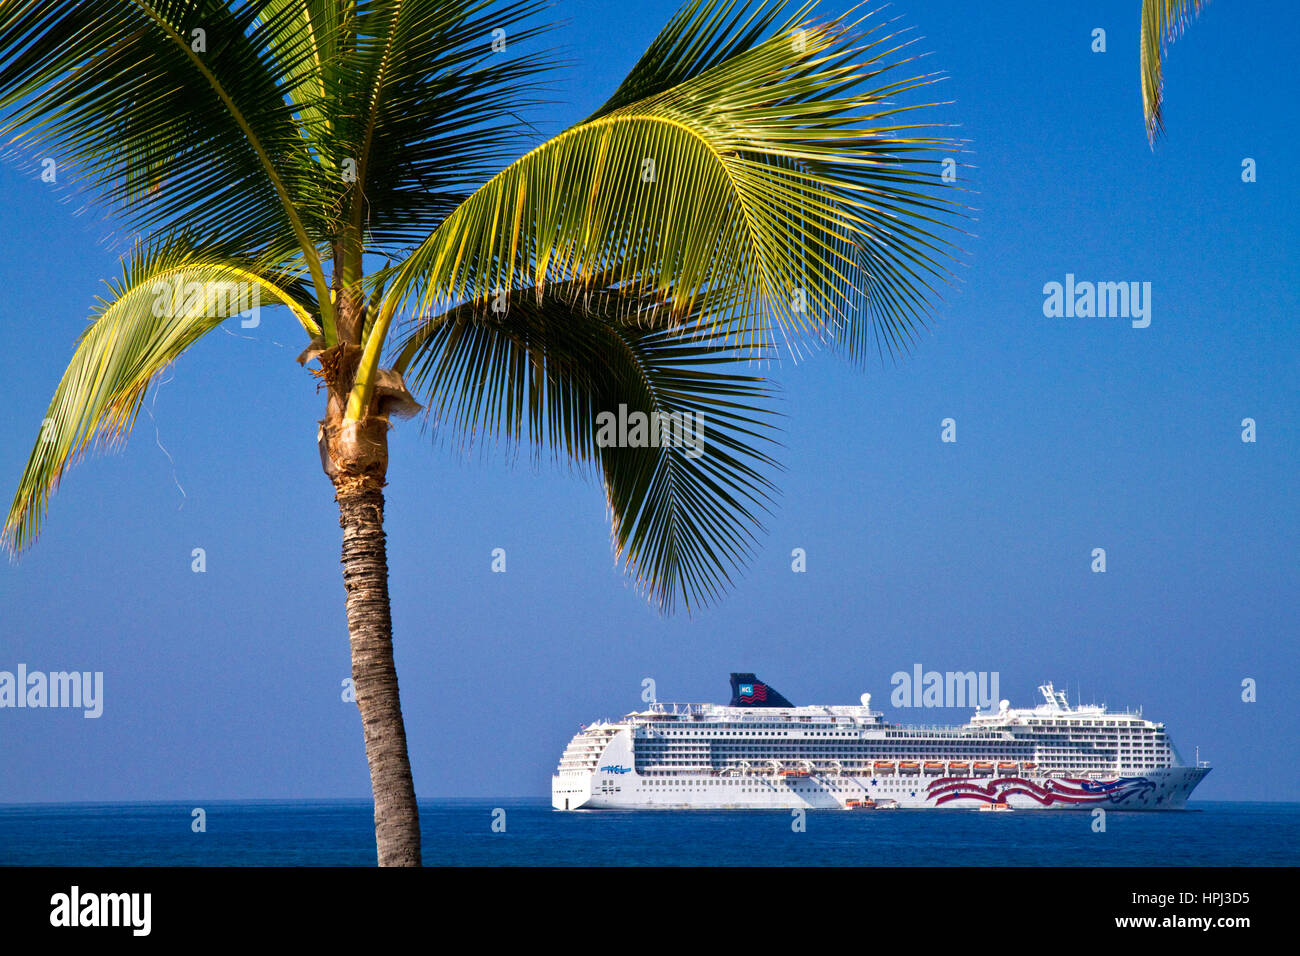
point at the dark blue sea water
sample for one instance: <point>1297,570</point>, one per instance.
<point>339,833</point>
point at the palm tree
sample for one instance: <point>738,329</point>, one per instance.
<point>749,181</point>
<point>1162,22</point>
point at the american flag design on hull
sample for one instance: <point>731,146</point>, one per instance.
<point>1069,790</point>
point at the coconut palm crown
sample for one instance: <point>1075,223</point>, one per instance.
<point>752,184</point>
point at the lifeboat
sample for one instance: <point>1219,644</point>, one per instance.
<point>1000,805</point>
<point>1007,767</point>
<point>934,766</point>
<point>794,773</point>
<point>958,766</point>
<point>884,766</point>
<point>1029,766</point>
<point>909,766</point>
<point>981,766</point>
<point>867,804</point>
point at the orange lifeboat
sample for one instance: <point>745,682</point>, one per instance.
<point>884,766</point>
<point>794,773</point>
<point>934,766</point>
<point>958,766</point>
<point>909,766</point>
<point>1006,767</point>
<point>982,766</point>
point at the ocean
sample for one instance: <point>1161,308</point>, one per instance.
<point>530,833</point>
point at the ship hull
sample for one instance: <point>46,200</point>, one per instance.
<point>1164,788</point>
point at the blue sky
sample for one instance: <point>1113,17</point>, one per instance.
<point>1072,434</point>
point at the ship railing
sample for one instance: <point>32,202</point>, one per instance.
<point>671,708</point>
<point>678,709</point>
<point>950,730</point>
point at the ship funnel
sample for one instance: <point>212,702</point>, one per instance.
<point>748,691</point>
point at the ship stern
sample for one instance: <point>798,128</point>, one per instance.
<point>570,791</point>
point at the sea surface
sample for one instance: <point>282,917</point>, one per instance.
<point>461,832</point>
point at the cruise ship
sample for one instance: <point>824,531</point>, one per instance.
<point>761,752</point>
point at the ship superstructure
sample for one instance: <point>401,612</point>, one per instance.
<point>762,752</point>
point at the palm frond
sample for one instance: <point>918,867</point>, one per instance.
<point>170,294</point>
<point>305,40</point>
<point>427,103</point>
<point>1162,22</point>
<point>701,35</point>
<point>782,171</point>
<point>172,111</point>
<point>564,371</point>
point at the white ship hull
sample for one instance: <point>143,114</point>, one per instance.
<point>1156,789</point>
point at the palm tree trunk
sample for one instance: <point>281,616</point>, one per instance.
<point>365,575</point>
<point>354,456</point>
